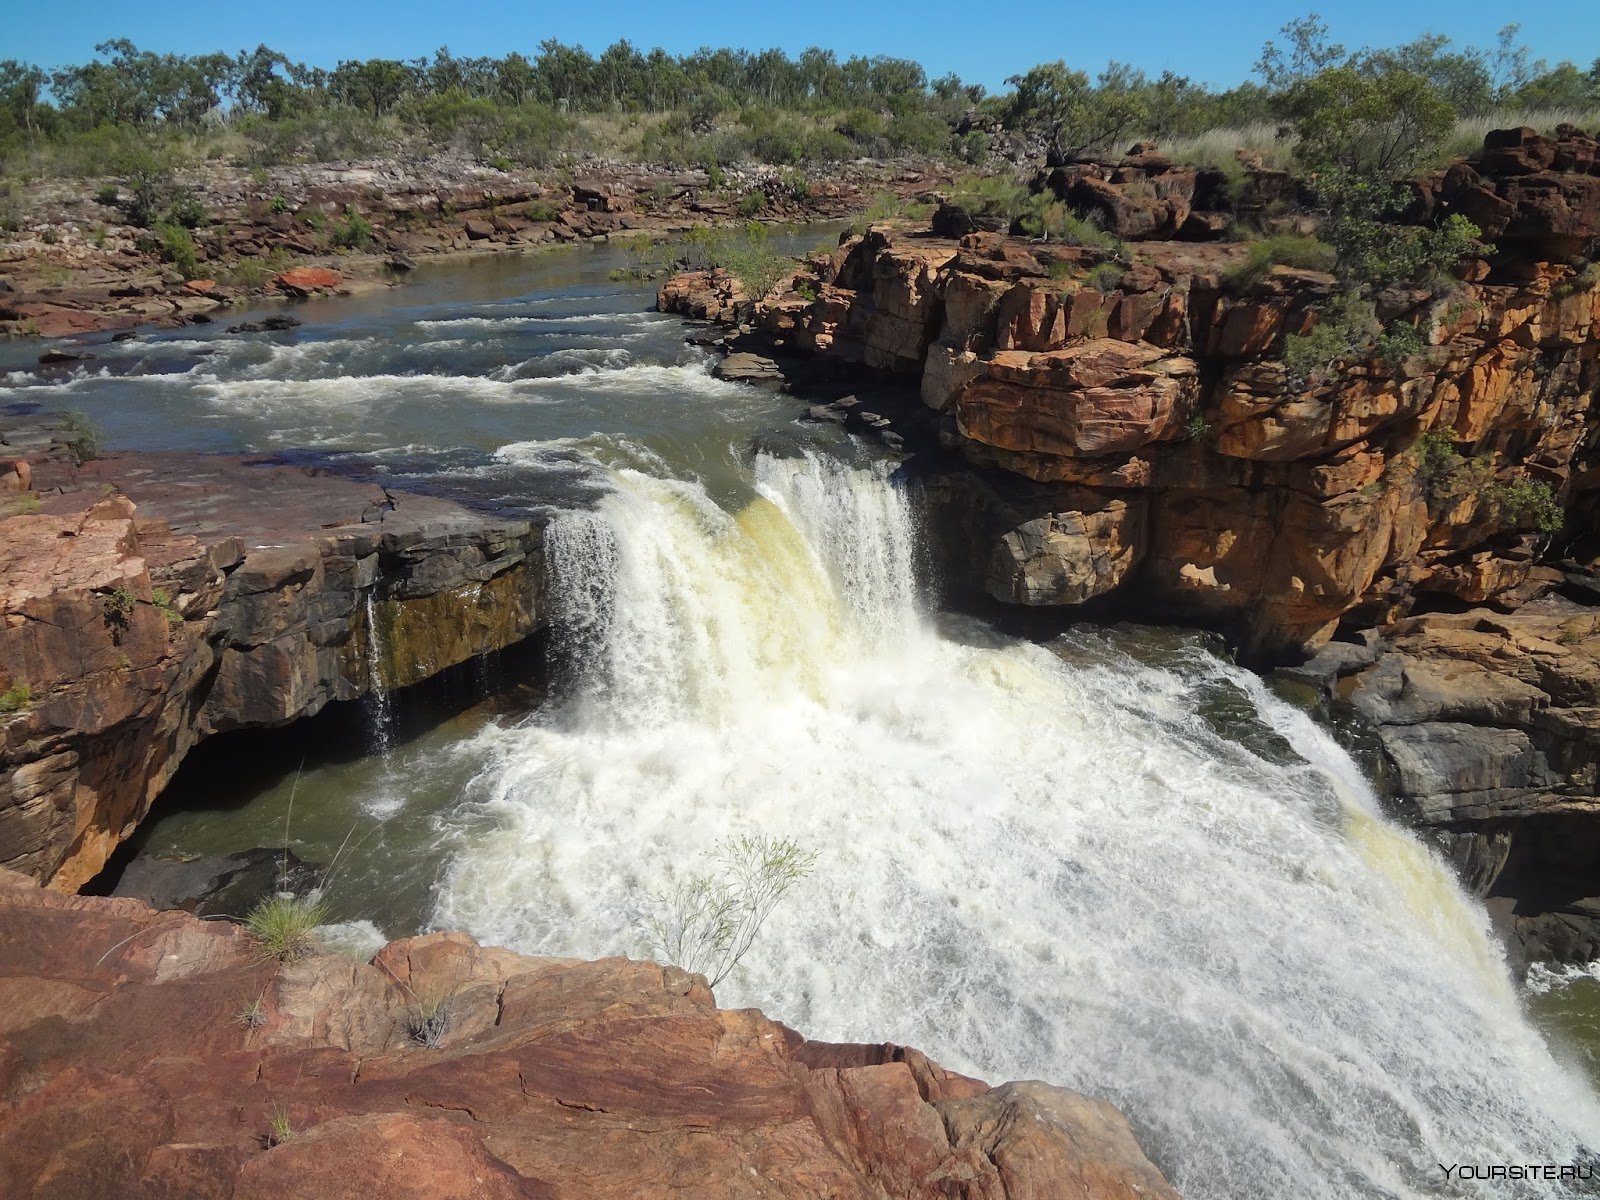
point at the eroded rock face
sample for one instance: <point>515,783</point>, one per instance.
<point>1276,506</point>
<point>208,594</point>
<point>146,1053</point>
<point>1490,723</point>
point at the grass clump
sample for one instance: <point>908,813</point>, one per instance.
<point>1284,249</point>
<point>746,253</point>
<point>285,925</point>
<point>176,245</point>
<point>16,697</point>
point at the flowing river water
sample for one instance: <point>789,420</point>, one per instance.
<point>1113,861</point>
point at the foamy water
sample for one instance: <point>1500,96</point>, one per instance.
<point>1030,864</point>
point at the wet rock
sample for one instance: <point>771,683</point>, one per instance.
<point>207,594</point>
<point>400,262</point>
<point>52,358</point>
<point>744,367</point>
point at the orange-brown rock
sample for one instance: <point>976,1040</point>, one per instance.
<point>305,281</point>
<point>206,594</point>
<point>127,1071</point>
<point>1097,397</point>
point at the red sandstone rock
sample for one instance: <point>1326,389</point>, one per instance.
<point>132,1078</point>
<point>303,281</point>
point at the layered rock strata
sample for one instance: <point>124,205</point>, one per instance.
<point>147,1054</point>
<point>1489,727</point>
<point>1170,451</point>
<point>150,600</point>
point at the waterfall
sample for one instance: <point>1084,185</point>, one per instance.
<point>387,798</point>
<point>1120,865</point>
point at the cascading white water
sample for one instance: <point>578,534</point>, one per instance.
<point>1030,863</point>
<point>380,715</point>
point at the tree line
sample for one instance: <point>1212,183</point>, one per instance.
<point>856,105</point>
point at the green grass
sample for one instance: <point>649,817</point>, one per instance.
<point>285,925</point>
<point>1284,249</point>
<point>17,697</point>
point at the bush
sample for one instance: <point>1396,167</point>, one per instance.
<point>185,209</point>
<point>1045,217</point>
<point>176,246</point>
<point>285,925</point>
<point>747,254</point>
<point>279,204</point>
<point>107,194</point>
<point>1528,504</point>
<point>16,697</point>
<point>707,923</point>
<point>355,232</point>
<point>80,437</point>
<point>1284,249</point>
<point>1343,328</point>
<point>542,210</point>
<point>752,203</point>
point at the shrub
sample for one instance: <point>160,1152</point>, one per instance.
<point>752,203</point>
<point>16,697</point>
<point>178,248</point>
<point>279,204</point>
<point>1528,504</point>
<point>1343,327</point>
<point>285,925</point>
<point>148,186</point>
<point>186,210</point>
<point>355,232</point>
<point>1105,277</point>
<point>1284,249</point>
<point>1196,428</point>
<point>747,254</point>
<point>707,923</point>
<point>107,194</point>
<point>542,210</point>
<point>1399,342</point>
<point>80,437</point>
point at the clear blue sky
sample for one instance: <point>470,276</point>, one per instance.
<point>983,42</point>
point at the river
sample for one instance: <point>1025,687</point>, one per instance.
<point>1112,860</point>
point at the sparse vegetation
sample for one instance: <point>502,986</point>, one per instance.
<point>746,253</point>
<point>279,1127</point>
<point>542,210</point>
<point>80,437</point>
<point>1284,249</point>
<point>430,1017</point>
<point>16,697</point>
<point>285,925</point>
<point>177,247</point>
<point>354,232</point>
<point>709,920</point>
<point>1528,504</point>
<point>163,603</point>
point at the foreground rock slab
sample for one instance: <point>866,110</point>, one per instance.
<point>147,1053</point>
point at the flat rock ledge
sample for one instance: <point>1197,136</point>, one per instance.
<point>150,600</point>
<point>151,1054</point>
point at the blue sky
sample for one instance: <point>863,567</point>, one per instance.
<point>983,42</point>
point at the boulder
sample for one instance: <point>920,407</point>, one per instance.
<point>307,281</point>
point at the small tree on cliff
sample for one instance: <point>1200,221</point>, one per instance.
<point>1363,130</point>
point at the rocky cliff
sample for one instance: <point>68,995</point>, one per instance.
<point>1169,448</point>
<point>147,1054</point>
<point>151,600</point>
<point>1128,433</point>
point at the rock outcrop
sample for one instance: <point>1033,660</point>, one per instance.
<point>147,1054</point>
<point>153,600</point>
<point>1489,724</point>
<point>1175,459</point>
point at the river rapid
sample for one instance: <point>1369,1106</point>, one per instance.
<point>1114,860</point>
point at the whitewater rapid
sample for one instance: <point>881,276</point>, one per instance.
<point>1139,875</point>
